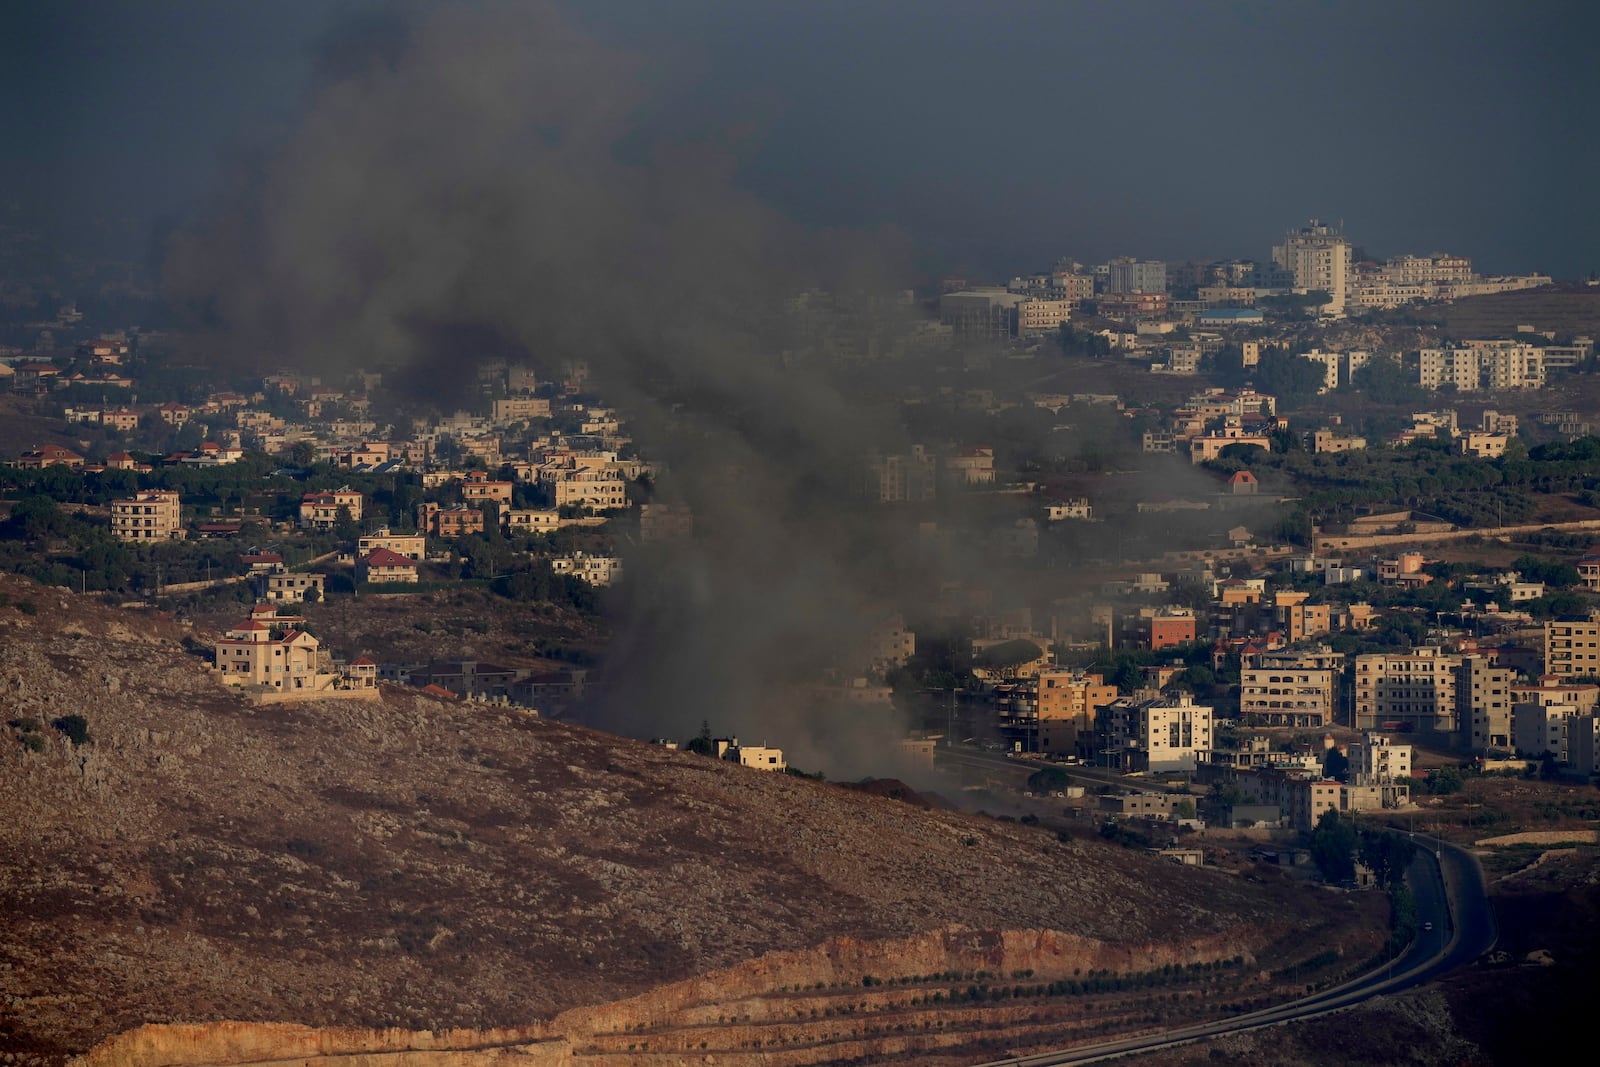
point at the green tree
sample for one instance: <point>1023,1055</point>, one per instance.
<point>1333,847</point>
<point>1444,781</point>
<point>1049,780</point>
<point>1387,854</point>
<point>700,744</point>
<point>1288,377</point>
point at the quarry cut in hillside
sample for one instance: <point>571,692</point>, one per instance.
<point>432,866</point>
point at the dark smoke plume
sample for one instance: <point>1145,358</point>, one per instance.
<point>485,181</point>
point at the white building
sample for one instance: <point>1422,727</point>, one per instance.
<point>1456,367</point>
<point>1079,508</point>
<point>1129,275</point>
<point>1378,759</point>
<point>760,757</point>
<point>1508,365</point>
<point>1319,258</point>
<point>1169,733</point>
<point>1539,728</point>
<point>596,570</point>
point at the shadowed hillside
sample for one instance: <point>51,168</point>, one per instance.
<point>425,864</point>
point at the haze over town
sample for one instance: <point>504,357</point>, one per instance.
<point>1127,445</point>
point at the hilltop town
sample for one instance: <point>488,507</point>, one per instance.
<point>1216,562</point>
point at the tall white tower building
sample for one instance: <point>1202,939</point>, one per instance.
<point>1319,258</point>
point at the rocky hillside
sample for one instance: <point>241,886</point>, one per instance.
<point>427,865</point>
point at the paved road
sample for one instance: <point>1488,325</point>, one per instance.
<point>958,758</point>
<point>1450,893</point>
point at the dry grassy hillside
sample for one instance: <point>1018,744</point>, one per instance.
<point>425,864</point>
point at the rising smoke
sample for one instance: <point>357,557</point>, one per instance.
<point>485,180</point>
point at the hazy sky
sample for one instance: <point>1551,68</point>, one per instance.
<point>997,136</point>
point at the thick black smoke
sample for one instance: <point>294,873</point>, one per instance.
<point>486,181</point>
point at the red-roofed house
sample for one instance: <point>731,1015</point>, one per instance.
<point>262,561</point>
<point>1242,482</point>
<point>383,566</point>
<point>49,456</point>
<point>121,461</point>
<point>254,653</point>
<point>361,673</point>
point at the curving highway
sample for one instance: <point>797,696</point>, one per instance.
<point>1451,896</point>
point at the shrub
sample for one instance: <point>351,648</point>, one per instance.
<point>76,727</point>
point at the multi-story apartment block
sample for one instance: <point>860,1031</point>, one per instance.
<point>1167,627</point>
<point>1129,275</point>
<point>517,408</point>
<point>1290,689</point>
<point>153,516</point>
<point>1568,356</point>
<point>1073,287</point>
<point>989,313</point>
<point>1540,729</point>
<point>1547,690</point>
<point>1455,367</point>
<point>1483,703</point>
<point>1133,305</point>
<point>1169,733</point>
<point>1309,798</point>
<point>1319,258</point>
<point>1067,704</point>
<point>1572,646</point>
<point>1413,690</point>
<point>1509,365</point>
<point>321,511</point>
<point>1432,270</point>
<point>1583,742</point>
<point>1298,619</point>
<point>1036,316</point>
<point>1377,758</point>
<point>906,477</point>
